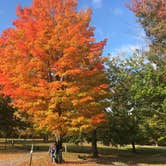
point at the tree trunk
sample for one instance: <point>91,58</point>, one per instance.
<point>156,143</point>
<point>94,144</point>
<point>45,137</point>
<point>59,156</point>
<point>133,146</point>
<point>5,143</point>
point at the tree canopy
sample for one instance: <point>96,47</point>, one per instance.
<point>51,66</point>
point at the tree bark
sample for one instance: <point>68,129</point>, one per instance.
<point>5,143</point>
<point>45,137</point>
<point>133,146</point>
<point>94,144</point>
<point>156,143</point>
<point>60,149</point>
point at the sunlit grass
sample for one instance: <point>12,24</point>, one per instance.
<point>81,155</point>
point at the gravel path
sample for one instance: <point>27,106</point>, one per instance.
<point>18,159</point>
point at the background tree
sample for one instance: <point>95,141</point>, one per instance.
<point>149,89</point>
<point>125,116</point>
<point>10,122</point>
<point>152,16</point>
<point>136,112</point>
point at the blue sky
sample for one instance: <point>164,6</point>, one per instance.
<point>110,17</point>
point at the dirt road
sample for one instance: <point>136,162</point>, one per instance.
<point>18,158</point>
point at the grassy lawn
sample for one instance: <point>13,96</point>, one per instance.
<point>80,155</point>
<point>144,157</point>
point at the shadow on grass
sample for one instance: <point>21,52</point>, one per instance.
<point>110,156</point>
<point>131,160</point>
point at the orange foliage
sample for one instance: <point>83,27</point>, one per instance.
<point>98,119</point>
<point>49,59</point>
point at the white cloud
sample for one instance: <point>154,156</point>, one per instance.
<point>141,36</point>
<point>128,50</point>
<point>97,3</point>
<point>118,11</point>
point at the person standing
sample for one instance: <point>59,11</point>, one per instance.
<point>53,152</point>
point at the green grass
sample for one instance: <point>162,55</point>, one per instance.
<point>145,155</point>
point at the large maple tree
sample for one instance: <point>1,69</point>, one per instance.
<point>52,68</point>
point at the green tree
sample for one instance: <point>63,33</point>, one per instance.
<point>10,123</point>
<point>137,101</point>
<point>151,83</point>
<point>125,114</point>
<point>149,89</point>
